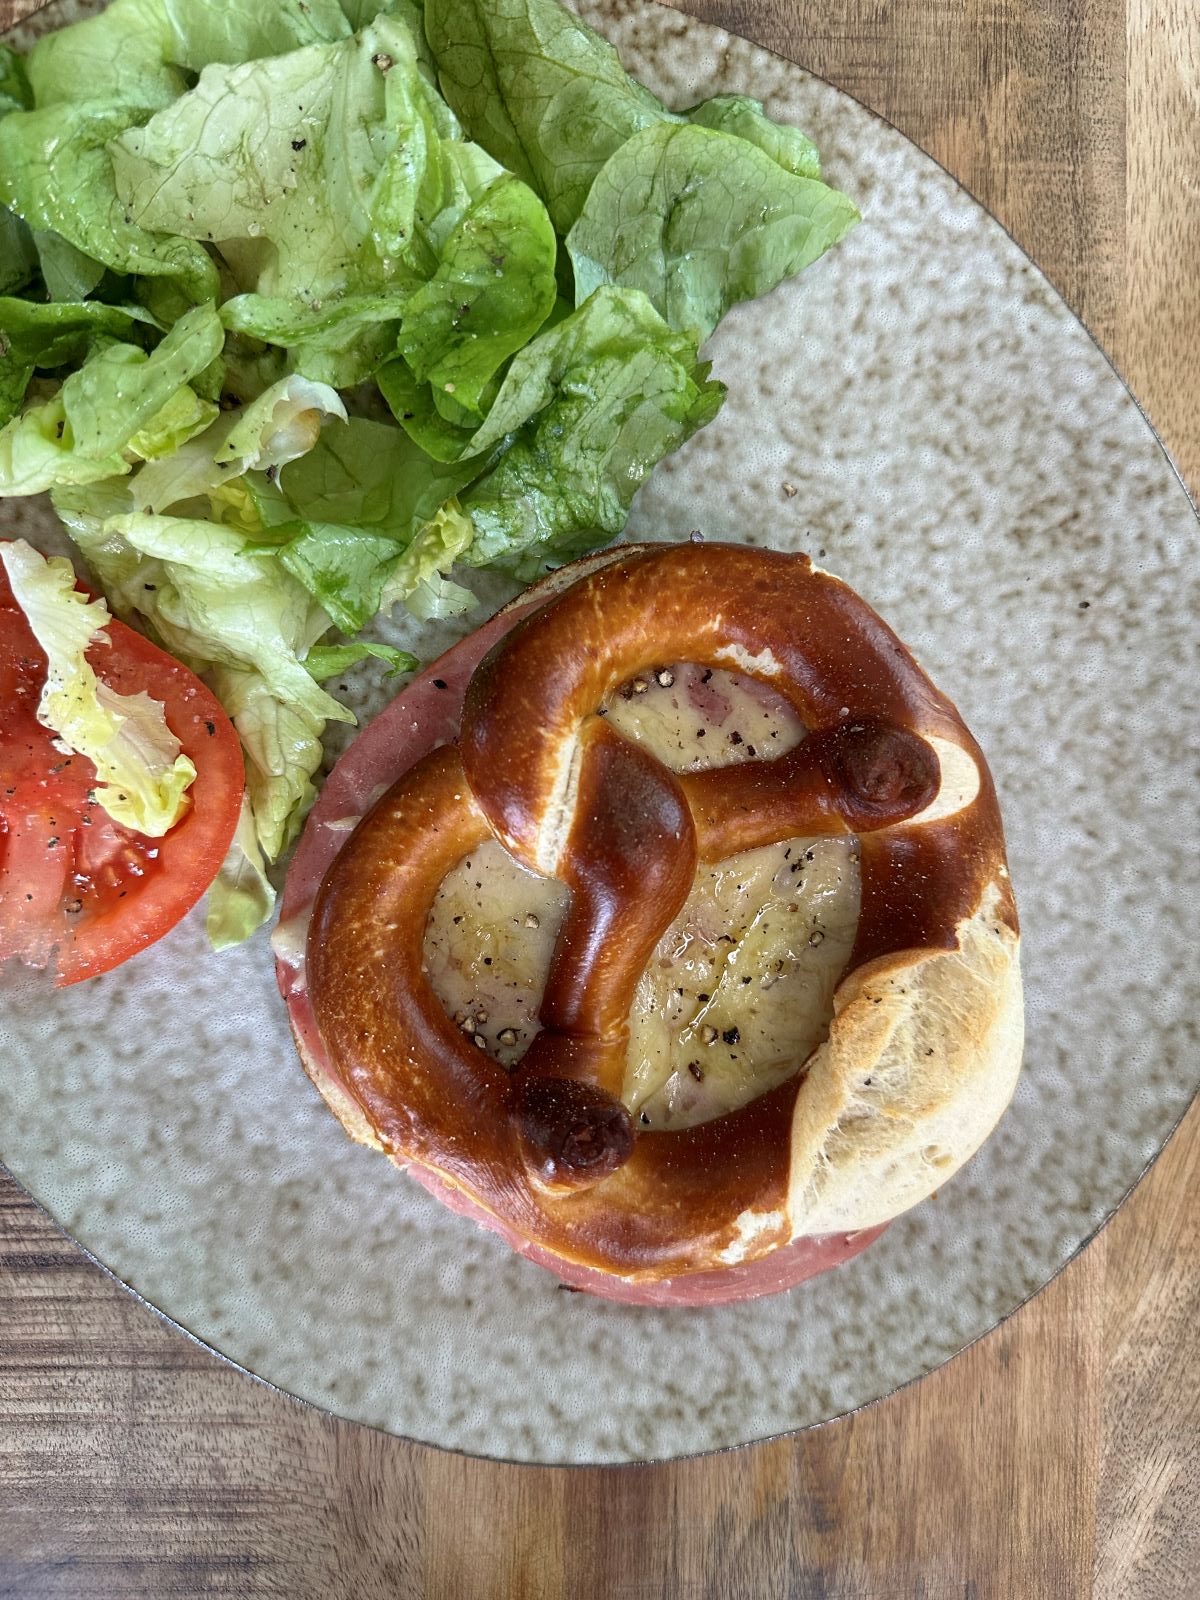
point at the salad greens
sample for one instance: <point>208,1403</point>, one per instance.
<point>303,306</point>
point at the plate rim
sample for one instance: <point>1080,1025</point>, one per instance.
<point>797,1432</point>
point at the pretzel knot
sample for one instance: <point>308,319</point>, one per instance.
<point>549,1147</point>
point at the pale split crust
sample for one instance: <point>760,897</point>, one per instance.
<point>921,1061</point>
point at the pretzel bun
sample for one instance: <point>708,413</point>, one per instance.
<point>621,1131</point>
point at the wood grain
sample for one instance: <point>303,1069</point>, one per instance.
<point>1060,1456</point>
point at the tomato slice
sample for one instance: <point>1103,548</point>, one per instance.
<point>73,881</point>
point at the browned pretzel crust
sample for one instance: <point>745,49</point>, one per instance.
<point>549,1149</point>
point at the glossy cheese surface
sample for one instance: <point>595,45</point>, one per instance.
<point>739,990</point>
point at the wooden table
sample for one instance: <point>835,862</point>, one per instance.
<point>1060,1456</point>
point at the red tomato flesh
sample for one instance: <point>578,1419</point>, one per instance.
<point>73,881</point>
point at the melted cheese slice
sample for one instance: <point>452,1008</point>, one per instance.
<point>739,990</point>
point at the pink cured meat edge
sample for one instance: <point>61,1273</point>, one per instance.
<point>422,717</point>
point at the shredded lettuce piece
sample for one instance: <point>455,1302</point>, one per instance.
<point>282,424</point>
<point>143,776</point>
<point>241,896</point>
<point>328,660</point>
<point>235,616</point>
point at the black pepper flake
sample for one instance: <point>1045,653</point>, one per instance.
<point>696,1070</point>
<point>644,1120</point>
<point>731,1035</point>
<point>439,683</point>
<point>487,961</point>
<point>1084,605</point>
<point>702,997</point>
<point>735,737</point>
<point>299,144</point>
<point>150,587</point>
<point>706,675</point>
<point>700,732</point>
<point>210,728</point>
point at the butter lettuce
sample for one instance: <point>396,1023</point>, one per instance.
<point>493,288</point>
<point>48,336</point>
<point>15,93</point>
<point>68,274</point>
<point>120,404</point>
<point>281,424</point>
<point>142,776</point>
<point>337,187</point>
<point>738,114</point>
<point>361,543</point>
<point>297,166</point>
<point>232,614</point>
<point>607,393</point>
<point>698,220</point>
<point>539,89</point>
<point>241,897</point>
<point>56,172</point>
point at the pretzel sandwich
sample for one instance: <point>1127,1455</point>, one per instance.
<point>908,1070</point>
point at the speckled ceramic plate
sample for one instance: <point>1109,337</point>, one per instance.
<point>963,454</point>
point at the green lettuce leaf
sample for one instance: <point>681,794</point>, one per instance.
<point>281,742</point>
<point>68,274</point>
<point>411,403</point>
<point>283,423</point>
<point>47,336</point>
<point>139,50</point>
<point>420,577</point>
<point>342,344</point>
<point>119,389</point>
<point>358,501</point>
<point>313,171</point>
<point>739,114</point>
<point>37,452</point>
<point>241,897</point>
<point>344,568</point>
<point>233,614</point>
<point>608,393</point>
<point>699,220</point>
<point>493,289</point>
<point>369,475</point>
<point>15,93</point>
<point>540,90</point>
<point>56,171</point>
<point>142,776</point>
<point>328,660</point>
<point>18,253</point>
<point>182,416</point>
